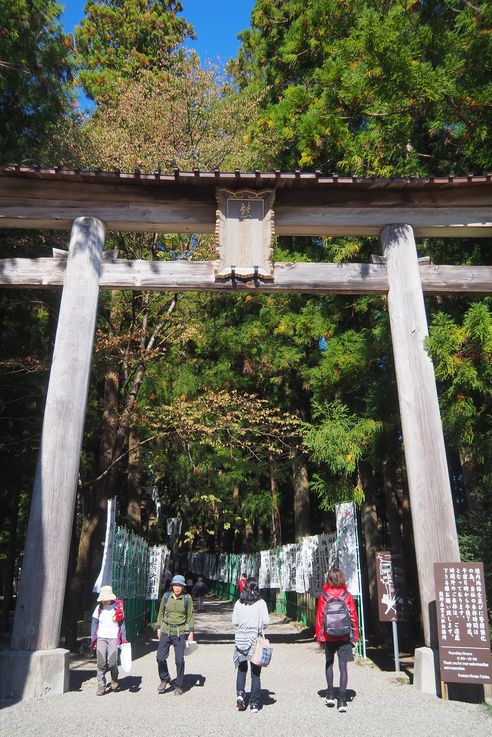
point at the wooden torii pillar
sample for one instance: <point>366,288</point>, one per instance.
<point>434,525</point>
<point>35,665</point>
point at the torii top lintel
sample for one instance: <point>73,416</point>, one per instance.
<point>306,203</point>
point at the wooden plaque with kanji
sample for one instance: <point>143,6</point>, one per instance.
<point>245,230</point>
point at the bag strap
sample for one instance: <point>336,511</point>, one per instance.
<point>260,625</point>
<point>167,596</point>
<point>342,596</point>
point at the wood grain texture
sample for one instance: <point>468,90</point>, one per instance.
<point>200,218</point>
<point>433,518</point>
<point>132,204</point>
<point>287,277</point>
<point>44,570</point>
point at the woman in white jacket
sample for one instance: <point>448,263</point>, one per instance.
<point>250,616</point>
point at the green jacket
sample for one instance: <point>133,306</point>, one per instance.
<point>174,618</point>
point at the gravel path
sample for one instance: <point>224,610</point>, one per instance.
<point>292,692</point>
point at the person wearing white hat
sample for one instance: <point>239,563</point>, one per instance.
<point>175,624</point>
<point>108,631</point>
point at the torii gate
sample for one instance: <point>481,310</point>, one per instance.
<point>243,208</point>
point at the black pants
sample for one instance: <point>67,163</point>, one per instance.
<point>344,652</point>
<point>179,644</point>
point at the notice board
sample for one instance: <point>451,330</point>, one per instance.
<point>391,586</point>
<point>462,623</point>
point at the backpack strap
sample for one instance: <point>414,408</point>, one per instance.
<point>342,596</point>
<point>327,598</point>
<point>167,596</point>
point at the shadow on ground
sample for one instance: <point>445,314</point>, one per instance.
<point>384,659</point>
<point>350,693</point>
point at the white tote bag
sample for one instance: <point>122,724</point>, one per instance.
<point>126,657</point>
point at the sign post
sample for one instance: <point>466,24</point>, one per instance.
<point>462,624</point>
<point>391,594</point>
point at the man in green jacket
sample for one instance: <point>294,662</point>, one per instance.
<point>175,624</point>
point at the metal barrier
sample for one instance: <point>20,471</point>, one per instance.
<point>130,560</point>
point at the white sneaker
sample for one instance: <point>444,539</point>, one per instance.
<point>240,705</point>
<point>254,708</point>
<point>330,699</point>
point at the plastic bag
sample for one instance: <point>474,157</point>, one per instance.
<point>126,657</point>
<point>191,647</point>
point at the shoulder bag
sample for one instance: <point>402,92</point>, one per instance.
<point>262,650</point>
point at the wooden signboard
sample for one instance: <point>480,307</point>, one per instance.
<point>244,232</point>
<point>390,578</point>
<point>462,623</point>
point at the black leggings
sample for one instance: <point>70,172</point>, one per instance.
<point>342,664</point>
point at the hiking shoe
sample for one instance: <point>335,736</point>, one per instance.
<point>114,685</point>
<point>240,703</point>
<point>330,699</point>
<point>178,691</point>
<point>101,690</point>
<point>162,686</point>
<point>254,708</point>
<point>342,705</point>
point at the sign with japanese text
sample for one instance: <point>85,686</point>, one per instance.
<point>347,546</point>
<point>155,565</point>
<point>462,623</point>
<point>391,586</point>
<point>244,231</point>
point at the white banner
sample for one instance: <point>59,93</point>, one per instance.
<point>347,545</point>
<point>300,585</point>
<point>265,572</point>
<point>274,572</point>
<point>154,571</point>
<point>106,573</point>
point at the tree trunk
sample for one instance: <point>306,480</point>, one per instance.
<point>392,505</point>
<point>9,569</point>
<point>302,508</point>
<point>276,527</point>
<point>372,543</point>
<point>470,473</point>
<point>248,537</point>
<point>134,511</point>
<point>237,541</point>
<point>413,626</point>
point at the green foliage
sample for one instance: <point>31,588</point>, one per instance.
<point>120,38</point>
<point>462,356</point>
<point>338,440</point>
<point>461,348</point>
<point>379,88</point>
<point>34,78</point>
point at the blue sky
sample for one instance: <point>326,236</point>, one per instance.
<point>216,23</point>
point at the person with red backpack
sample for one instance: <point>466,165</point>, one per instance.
<point>337,629</point>
<point>108,632</point>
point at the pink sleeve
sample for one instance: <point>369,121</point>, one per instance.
<point>319,618</point>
